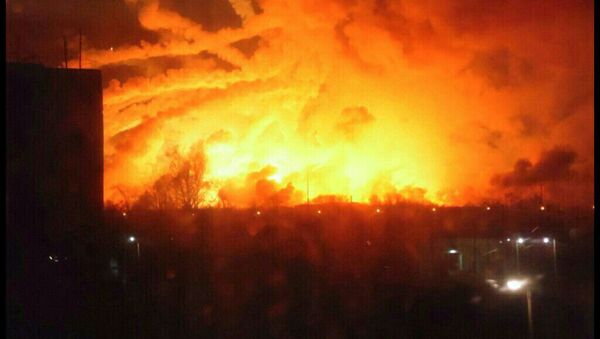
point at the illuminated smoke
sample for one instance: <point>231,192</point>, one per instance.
<point>374,100</point>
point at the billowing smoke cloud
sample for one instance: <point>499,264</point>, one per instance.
<point>553,165</point>
<point>353,120</point>
<point>556,170</point>
<point>332,96</point>
<point>261,188</point>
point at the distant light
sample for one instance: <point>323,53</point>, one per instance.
<point>257,212</point>
<point>542,208</point>
<point>491,281</point>
<point>488,208</point>
<point>124,214</point>
<point>520,240</point>
<point>131,239</point>
<point>368,243</point>
<point>546,240</point>
<point>515,284</point>
<point>508,239</point>
<point>50,257</point>
<point>319,211</point>
<point>500,241</point>
<point>378,210</point>
<point>452,251</point>
<point>476,299</point>
<point>111,49</point>
<point>433,209</point>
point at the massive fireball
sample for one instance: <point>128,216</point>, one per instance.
<point>341,100</point>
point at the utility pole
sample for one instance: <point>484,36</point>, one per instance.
<point>79,47</point>
<point>518,264</point>
<point>529,315</point>
<point>65,52</point>
<point>554,257</point>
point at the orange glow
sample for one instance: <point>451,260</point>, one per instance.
<point>325,109</point>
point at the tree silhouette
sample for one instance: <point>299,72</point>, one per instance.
<point>183,186</point>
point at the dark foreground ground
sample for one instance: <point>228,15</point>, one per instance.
<point>278,278</point>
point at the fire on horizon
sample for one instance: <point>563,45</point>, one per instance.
<point>252,102</point>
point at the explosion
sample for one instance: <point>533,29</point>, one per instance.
<point>370,101</point>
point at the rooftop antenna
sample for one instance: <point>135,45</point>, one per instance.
<point>19,47</point>
<point>79,47</point>
<point>65,51</point>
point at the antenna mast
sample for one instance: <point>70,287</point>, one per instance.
<point>65,51</point>
<point>79,47</point>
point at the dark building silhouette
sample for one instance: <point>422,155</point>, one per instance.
<point>54,178</point>
<point>55,148</point>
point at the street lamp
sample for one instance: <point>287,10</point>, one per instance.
<point>546,240</point>
<point>460,258</point>
<point>516,286</point>
<point>519,241</point>
<point>132,240</point>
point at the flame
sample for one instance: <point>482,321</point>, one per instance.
<point>326,104</point>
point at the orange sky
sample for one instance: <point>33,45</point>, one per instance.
<point>451,102</point>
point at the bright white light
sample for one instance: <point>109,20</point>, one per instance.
<point>124,214</point>
<point>257,212</point>
<point>452,251</point>
<point>546,240</point>
<point>488,208</point>
<point>515,284</point>
<point>520,240</point>
<point>276,177</point>
<point>542,208</point>
<point>378,210</point>
<point>433,209</point>
<point>319,211</point>
<point>131,238</point>
<point>508,239</point>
